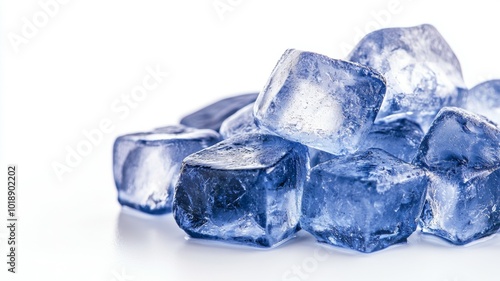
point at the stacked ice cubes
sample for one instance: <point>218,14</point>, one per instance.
<point>359,151</point>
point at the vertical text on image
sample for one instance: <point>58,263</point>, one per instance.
<point>12,224</point>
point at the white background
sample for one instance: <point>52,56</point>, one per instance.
<point>66,76</point>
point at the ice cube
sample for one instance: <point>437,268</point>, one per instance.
<point>423,74</point>
<point>365,201</point>
<point>484,99</point>
<point>323,103</point>
<point>212,116</point>
<point>246,189</point>
<point>146,165</point>
<point>462,150</point>
<point>400,137</point>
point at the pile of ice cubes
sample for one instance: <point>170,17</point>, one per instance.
<point>358,152</point>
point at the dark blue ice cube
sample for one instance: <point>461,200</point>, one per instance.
<point>146,165</point>
<point>366,201</point>
<point>212,116</point>
<point>484,99</point>
<point>320,102</point>
<point>462,150</point>
<point>423,74</point>
<point>246,190</point>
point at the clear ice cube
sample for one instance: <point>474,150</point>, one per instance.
<point>423,74</point>
<point>321,102</point>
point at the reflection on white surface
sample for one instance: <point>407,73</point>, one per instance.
<point>154,248</point>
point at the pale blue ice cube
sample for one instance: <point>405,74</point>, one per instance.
<point>321,102</point>
<point>423,74</point>
<point>146,165</point>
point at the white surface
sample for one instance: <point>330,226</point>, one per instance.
<point>71,75</point>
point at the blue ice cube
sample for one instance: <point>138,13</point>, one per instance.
<point>365,201</point>
<point>242,122</point>
<point>323,103</point>
<point>146,165</point>
<point>484,99</point>
<point>400,137</point>
<point>212,116</point>
<point>462,150</point>
<point>246,189</point>
<point>423,74</point>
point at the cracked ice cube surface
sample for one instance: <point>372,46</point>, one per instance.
<point>146,165</point>
<point>323,103</point>
<point>212,116</point>
<point>461,150</point>
<point>400,137</point>
<point>365,201</point>
<point>246,190</point>
<point>484,99</point>
<point>423,74</point>
<point>242,122</point>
